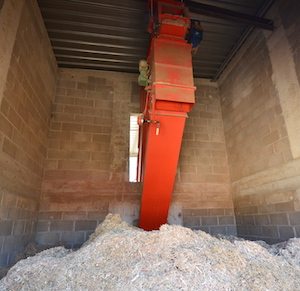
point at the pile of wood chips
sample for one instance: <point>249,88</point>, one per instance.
<point>121,257</point>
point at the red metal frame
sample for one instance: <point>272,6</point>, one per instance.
<point>164,104</point>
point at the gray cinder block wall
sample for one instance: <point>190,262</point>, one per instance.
<point>86,176</point>
<point>64,141</point>
<point>261,114</point>
<point>27,83</point>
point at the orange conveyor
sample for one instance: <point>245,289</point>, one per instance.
<point>165,102</point>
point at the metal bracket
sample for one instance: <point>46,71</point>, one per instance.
<point>141,120</point>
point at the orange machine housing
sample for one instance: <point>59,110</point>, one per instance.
<point>164,106</point>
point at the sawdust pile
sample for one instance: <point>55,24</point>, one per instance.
<point>121,257</point>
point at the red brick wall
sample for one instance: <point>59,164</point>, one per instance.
<point>24,125</point>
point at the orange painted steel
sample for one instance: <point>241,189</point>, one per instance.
<point>164,104</point>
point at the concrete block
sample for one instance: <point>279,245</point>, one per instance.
<point>226,220</point>
<point>249,209</point>
<point>103,138</point>
<point>72,126</point>
<point>61,225</point>
<point>215,212</point>
<point>279,219</point>
<point>94,111</point>
<point>209,221</point>
<point>86,86</point>
<point>65,84</point>
<point>294,218</point>
<point>30,227</point>
<point>18,227</point>
<point>83,102</point>
<point>76,93</point>
<point>201,136</point>
<point>63,117</point>
<point>275,160</point>
<point>285,207</point>
<point>242,230</point>
<point>255,230</point>
<point>297,231</point>
<point>3,212</point>
<point>270,138</point>
<point>262,219</point>
<point>25,214</point>
<point>229,211</point>
<point>73,215</point>
<point>68,165</point>
<point>53,215</point>
<point>270,231</point>
<point>286,232</point>
<point>85,225</point>
<point>42,226</point>
<point>21,242</point>
<point>97,80</point>
<point>9,148</point>
<point>14,118</point>
<point>80,155</point>
<point>6,227</point>
<point>13,213</point>
<point>73,237</point>
<point>87,128</point>
<point>248,220</point>
<point>266,208</point>
<point>214,230</point>
<point>281,145</point>
<point>238,220</point>
<point>81,137</point>
<point>191,221</point>
<point>194,212</point>
<point>8,244</point>
<point>84,119</point>
<point>231,230</point>
<point>4,259</point>
<point>47,238</point>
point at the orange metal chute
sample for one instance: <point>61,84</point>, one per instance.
<point>164,106</point>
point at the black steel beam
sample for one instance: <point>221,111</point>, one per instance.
<point>229,15</point>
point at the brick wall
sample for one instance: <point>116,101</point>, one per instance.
<point>24,123</point>
<point>290,20</point>
<point>86,174</point>
<point>260,114</point>
<point>272,216</point>
<point>256,136</point>
<point>202,188</point>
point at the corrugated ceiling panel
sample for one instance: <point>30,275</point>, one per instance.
<point>112,35</point>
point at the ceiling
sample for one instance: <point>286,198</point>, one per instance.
<point>112,35</point>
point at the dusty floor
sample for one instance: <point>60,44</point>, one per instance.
<point>121,257</point>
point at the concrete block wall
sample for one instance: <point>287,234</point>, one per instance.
<point>18,224</point>
<point>271,216</point>
<point>260,107</point>
<point>28,76</point>
<point>202,189</point>
<point>290,21</point>
<point>86,175</point>
<point>241,138</point>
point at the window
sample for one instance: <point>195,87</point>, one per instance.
<point>133,146</point>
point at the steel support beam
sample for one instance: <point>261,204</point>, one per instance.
<point>229,15</point>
